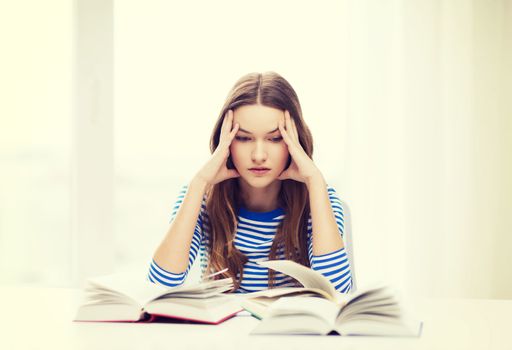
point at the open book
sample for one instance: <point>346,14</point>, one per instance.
<point>319,309</point>
<point>125,297</point>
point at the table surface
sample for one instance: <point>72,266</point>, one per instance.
<point>41,318</point>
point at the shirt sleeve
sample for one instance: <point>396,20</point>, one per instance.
<point>160,276</point>
<point>334,265</point>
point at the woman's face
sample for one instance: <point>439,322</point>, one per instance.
<point>258,144</point>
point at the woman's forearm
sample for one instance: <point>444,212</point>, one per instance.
<point>173,252</point>
<point>326,237</point>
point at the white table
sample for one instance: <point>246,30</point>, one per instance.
<point>41,318</point>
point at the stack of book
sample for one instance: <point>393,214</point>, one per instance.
<point>318,308</point>
<point>127,297</point>
<point>315,308</point>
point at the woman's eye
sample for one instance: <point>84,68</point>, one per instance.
<point>244,138</point>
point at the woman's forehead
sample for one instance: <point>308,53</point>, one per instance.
<point>258,119</point>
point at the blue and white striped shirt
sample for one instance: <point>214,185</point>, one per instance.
<point>254,236</point>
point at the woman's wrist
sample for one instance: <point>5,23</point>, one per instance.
<point>315,179</point>
<point>199,183</point>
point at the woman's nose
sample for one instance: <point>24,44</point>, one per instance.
<point>259,153</point>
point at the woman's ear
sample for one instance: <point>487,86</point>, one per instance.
<point>288,162</point>
<point>229,163</point>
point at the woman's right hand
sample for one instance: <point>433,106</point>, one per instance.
<point>216,170</point>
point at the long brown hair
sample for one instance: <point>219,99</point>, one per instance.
<point>223,199</point>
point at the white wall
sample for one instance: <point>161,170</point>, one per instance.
<point>403,99</point>
<point>175,63</point>
<point>92,177</point>
<point>35,141</point>
<point>429,135</point>
<point>408,101</point>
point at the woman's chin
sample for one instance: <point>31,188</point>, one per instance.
<point>259,181</point>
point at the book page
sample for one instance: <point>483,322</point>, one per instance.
<point>275,293</point>
<point>319,307</point>
<point>375,311</point>
<point>130,286</point>
<point>298,315</point>
<point>297,324</point>
<point>402,327</point>
<point>308,277</point>
<point>126,285</point>
<point>211,310</point>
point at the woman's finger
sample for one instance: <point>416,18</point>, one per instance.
<point>287,122</point>
<point>226,124</point>
<point>285,134</point>
<point>292,129</point>
<point>289,125</point>
<point>232,173</point>
<point>233,132</point>
<point>230,129</point>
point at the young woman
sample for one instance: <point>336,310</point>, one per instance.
<point>260,197</point>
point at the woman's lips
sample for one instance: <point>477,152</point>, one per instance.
<point>259,172</point>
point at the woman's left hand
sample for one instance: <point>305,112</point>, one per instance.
<point>302,168</point>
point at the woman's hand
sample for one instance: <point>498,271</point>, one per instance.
<point>215,170</point>
<point>302,168</point>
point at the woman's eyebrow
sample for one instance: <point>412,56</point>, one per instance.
<point>270,132</point>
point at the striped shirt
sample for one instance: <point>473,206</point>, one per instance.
<point>254,236</point>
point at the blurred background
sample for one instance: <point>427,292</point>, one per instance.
<point>106,110</point>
